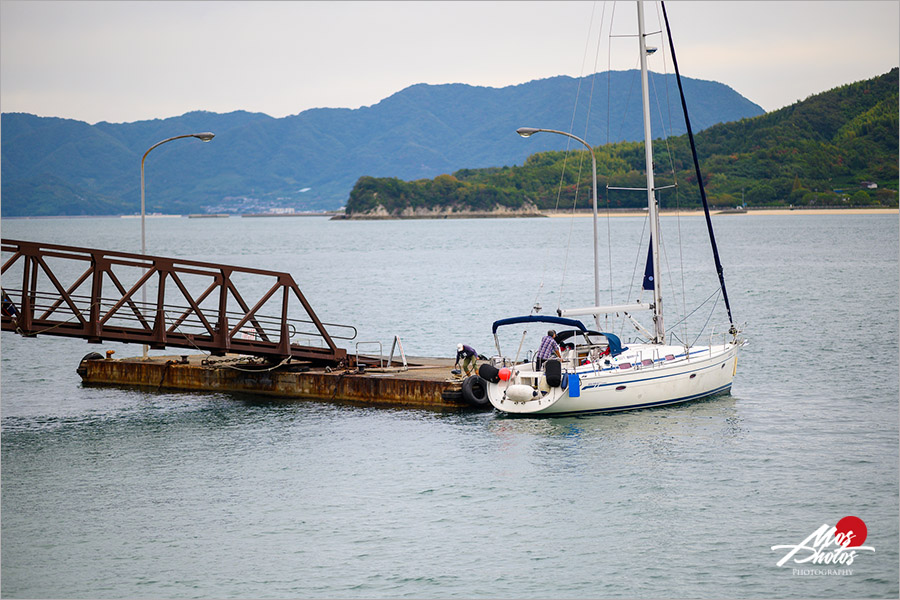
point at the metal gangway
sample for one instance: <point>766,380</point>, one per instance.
<point>100,295</point>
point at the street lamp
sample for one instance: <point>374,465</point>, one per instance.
<point>528,132</point>
<point>203,137</point>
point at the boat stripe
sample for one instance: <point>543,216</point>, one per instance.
<point>724,388</point>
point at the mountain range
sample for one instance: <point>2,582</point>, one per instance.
<point>310,161</point>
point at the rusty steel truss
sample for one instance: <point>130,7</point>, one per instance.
<point>94,294</point>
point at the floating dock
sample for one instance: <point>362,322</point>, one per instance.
<point>254,327</point>
<point>424,383</point>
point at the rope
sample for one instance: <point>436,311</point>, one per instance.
<point>670,156</point>
<point>223,364</point>
<point>52,327</point>
<point>337,383</point>
<point>609,261</point>
<point>580,169</point>
<point>185,335</point>
<point>580,163</point>
<point>272,368</point>
<point>708,318</point>
<point>165,370</point>
<point>166,319</point>
<point>699,306</point>
<point>687,122</point>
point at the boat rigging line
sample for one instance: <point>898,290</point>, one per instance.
<point>536,305</point>
<point>687,122</point>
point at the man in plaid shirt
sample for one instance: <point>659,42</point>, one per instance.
<point>548,349</point>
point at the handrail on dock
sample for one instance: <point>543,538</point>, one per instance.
<point>380,353</point>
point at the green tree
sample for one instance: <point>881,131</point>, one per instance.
<point>761,193</point>
<point>861,198</point>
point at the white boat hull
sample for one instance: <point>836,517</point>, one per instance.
<point>624,384</point>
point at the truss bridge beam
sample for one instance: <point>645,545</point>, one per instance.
<point>68,291</point>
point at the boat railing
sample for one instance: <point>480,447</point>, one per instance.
<point>714,337</point>
<point>498,361</point>
<point>654,361</point>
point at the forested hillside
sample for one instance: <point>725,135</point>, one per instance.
<point>828,150</point>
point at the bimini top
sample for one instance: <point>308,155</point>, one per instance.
<point>615,344</point>
<point>539,319</point>
<point>612,340</point>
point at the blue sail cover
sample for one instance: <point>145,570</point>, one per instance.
<point>615,344</point>
<point>648,270</point>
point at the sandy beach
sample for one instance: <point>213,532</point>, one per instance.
<point>699,213</point>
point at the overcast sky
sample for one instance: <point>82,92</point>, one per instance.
<point>131,61</point>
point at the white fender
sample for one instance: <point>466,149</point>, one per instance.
<point>521,393</point>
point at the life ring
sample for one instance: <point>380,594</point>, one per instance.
<point>474,391</point>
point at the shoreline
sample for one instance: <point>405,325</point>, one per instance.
<point>763,211</point>
<point>621,213</point>
<point>545,214</point>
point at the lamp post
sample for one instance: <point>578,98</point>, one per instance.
<point>529,131</point>
<point>203,137</point>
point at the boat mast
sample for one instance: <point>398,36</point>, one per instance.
<point>652,207</point>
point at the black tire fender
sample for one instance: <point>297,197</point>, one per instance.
<point>452,396</point>
<point>81,369</point>
<point>474,391</point>
<point>489,373</point>
<point>553,370</point>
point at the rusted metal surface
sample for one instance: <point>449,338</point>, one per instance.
<point>94,294</point>
<point>423,386</point>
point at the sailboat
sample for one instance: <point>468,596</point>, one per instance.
<point>595,372</point>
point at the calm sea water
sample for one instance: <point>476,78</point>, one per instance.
<point>125,493</point>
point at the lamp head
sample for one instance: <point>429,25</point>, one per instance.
<point>527,131</point>
<point>204,137</point>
